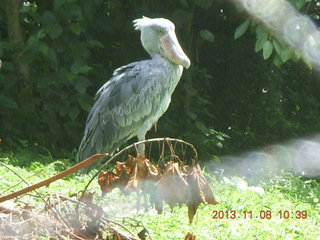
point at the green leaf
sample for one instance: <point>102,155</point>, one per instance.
<point>74,112</point>
<point>81,84</point>
<point>277,46</point>
<point>84,69</point>
<point>75,67</point>
<point>54,30</point>
<point>260,42</point>
<point>79,50</point>
<point>267,49</point>
<point>59,3</point>
<point>76,28</point>
<point>75,10</point>
<point>48,18</point>
<point>41,33</point>
<point>204,3</point>
<point>43,47</point>
<point>241,29</point>
<point>277,61</point>
<point>84,104</point>
<point>7,102</point>
<point>201,126</point>
<point>206,35</point>
<point>286,54</point>
<point>79,69</point>
<point>192,115</point>
<point>95,43</point>
<point>261,31</point>
<point>52,58</point>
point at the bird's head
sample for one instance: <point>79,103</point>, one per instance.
<point>158,37</point>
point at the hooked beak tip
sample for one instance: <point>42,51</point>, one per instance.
<point>186,63</point>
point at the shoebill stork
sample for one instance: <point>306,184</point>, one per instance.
<point>137,94</point>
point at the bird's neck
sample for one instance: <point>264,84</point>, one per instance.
<point>155,56</point>
<point>158,57</point>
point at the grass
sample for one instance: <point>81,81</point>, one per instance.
<point>276,209</point>
<point>277,197</point>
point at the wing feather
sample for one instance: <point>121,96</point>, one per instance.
<point>122,105</point>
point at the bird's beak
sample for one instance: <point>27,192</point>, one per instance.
<point>171,49</point>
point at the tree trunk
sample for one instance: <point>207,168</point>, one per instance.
<point>15,36</point>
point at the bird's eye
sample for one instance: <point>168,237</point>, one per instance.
<point>161,31</point>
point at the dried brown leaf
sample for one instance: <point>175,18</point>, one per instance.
<point>106,181</point>
<point>200,191</point>
<point>129,176</point>
<point>190,236</point>
<point>172,187</point>
<point>144,173</point>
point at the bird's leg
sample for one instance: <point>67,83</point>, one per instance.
<point>141,147</point>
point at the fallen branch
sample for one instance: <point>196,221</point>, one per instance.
<point>60,175</point>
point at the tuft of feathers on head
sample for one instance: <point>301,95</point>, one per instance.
<point>140,22</point>
<point>143,22</point>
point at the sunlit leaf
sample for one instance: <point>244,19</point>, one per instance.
<point>277,46</point>
<point>261,30</point>
<point>286,54</point>
<point>241,29</point>
<point>260,42</point>
<point>267,49</point>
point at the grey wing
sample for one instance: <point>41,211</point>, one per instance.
<point>123,104</point>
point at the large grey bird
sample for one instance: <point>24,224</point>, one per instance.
<point>138,94</point>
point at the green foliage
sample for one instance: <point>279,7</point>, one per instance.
<point>63,51</point>
<point>70,49</point>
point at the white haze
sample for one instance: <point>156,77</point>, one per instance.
<point>300,156</point>
<point>286,23</point>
